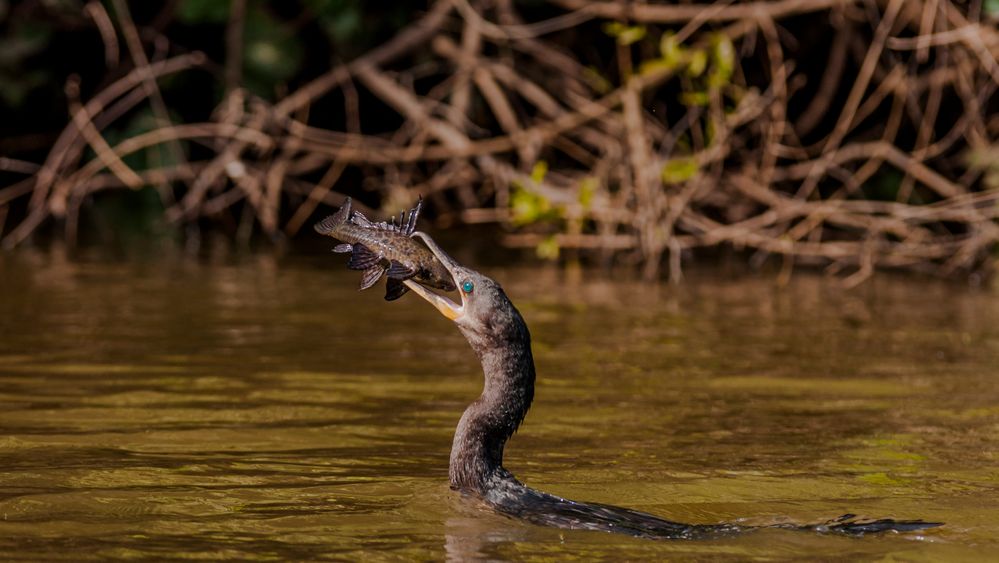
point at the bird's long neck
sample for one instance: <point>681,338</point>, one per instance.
<point>508,366</point>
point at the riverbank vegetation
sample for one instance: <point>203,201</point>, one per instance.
<point>848,134</point>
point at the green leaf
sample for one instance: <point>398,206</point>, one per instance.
<point>695,98</point>
<point>596,80</point>
<point>679,170</point>
<point>527,208</point>
<point>625,35</point>
<point>670,49</point>
<point>655,65</point>
<point>722,61</point>
<point>587,189</point>
<point>539,171</point>
<point>698,63</point>
<point>548,249</point>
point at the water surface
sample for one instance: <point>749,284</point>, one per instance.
<point>262,408</point>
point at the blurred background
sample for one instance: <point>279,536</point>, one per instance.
<point>845,134</point>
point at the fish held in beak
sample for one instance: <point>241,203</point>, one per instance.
<point>446,306</point>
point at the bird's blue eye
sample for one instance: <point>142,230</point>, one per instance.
<point>467,287</point>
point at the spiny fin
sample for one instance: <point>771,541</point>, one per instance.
<point>398,270</point>
<point>342,248</point>
<point>360,220</point>
<point>362,258</point>
<point>394,289</point>
<point>405,224</point>
<point>414,214</point>
<point>370,276</point>
<point>327,225</point>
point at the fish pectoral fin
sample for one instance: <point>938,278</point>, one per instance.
<point>394,289</point>
<point>343,248</point>
<point>370,276</point>
<point>398,270</point>
<point>362,258</point>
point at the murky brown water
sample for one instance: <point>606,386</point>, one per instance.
<point>258,408</point>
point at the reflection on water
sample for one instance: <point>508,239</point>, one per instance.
<point>264,409</point>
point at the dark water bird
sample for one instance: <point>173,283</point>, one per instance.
<point>500,338</point>
<point>385,248</point>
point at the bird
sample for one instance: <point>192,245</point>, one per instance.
<point>500,339</point>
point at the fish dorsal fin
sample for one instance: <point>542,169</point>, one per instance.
<point>405,224</point>
<point>371,275</point>
<point>360,220</point>
<point>362,258</point>
<point>394,289</point>
<point>398,270</point>
<point>414,214</point>
<point>327,225</point>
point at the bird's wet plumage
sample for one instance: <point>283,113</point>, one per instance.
<point>500,338</point>
<point>385,249</point>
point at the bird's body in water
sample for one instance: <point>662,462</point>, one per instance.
<point>499,337</point>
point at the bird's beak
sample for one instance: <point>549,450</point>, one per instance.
<point>447,307</point>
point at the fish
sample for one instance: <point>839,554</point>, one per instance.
<point>385,249</point>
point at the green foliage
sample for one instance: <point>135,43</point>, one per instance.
<point>698,63</point>
<point>679,170</point>
<point>991,7</point>
<point>597,80</point>
<point>723,59</point>
<point>624,34</point>
<point>341,20</point>
<point>539,171</point>
<point>588,189</point>
<point>695,99</point>
<point>273,53</point>
<point>548,249</point>
<point>273,39</point>
<point>17,77</point>
<point>203,11</point>
<point>670,49</point>
<point>528,207</point>
<point>987,160</point>
<point>718,61</point>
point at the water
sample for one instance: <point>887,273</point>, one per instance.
<point>262,408</point>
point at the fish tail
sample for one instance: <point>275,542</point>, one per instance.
<point>330,224</point>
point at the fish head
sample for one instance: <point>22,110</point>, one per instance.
<point>437,276</point>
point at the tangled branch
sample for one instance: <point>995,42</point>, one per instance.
<point>714,131</point>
